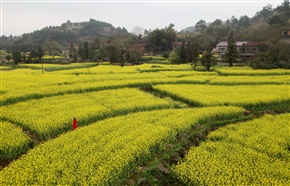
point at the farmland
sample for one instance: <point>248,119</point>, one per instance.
<point>129,116</point>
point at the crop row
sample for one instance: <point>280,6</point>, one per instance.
<point>13,141</point>
<point>109,151</point>
<point>242,95</point>
<point>248,71</point>
<point>33,92</point>
<point>250,80</point>
<point>250,153</point>
<point>48,117</point>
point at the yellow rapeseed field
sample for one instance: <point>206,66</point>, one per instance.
<point>250,153</point>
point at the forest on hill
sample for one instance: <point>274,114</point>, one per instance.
<point>99,41</point>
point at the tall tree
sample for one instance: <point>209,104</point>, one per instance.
<point>73,52</point>
<point>207,58</point>
<point>32,56</point>
<point>16,56</point>
<point>200,26</point>
<point>40,54</point>
<point>182,54</point>
<point>195,54</point>
<point>81,52</point>
<point>51,46</point>
<point>232,52</point>
<point>87,50</point>
<point>8,57</point>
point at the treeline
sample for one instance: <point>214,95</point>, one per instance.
<point>266,27</point>
<point>99,41</point>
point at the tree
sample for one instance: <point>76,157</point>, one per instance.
<point>160,40</point>
<point>200,26</point>
<point>86,50</point>
<point>73,52</point>
<point>51,46</point>
<point>113,54</point>
<point>182,54</point>
<point>275,20</point>
<point>32,55</point>
<point>133,54</point>
<point>16,56</point>
<point>40,54</point>
<point>81,52</point>
<point>207,58</point>
<point>189,51</point>
<point>174,57</point>
<point>195,55</point>
<point>8,57</point>
<point>232,53</point>
<point>244,21</point>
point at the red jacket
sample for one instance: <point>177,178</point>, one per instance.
<point>74,125</point>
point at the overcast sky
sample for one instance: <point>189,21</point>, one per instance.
<point>25,16</point>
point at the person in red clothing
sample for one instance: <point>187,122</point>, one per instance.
<point>74,124</point>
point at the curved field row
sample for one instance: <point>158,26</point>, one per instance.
<point>17,95</point>
<point>49,117</point>
<point>13,141</point>
<point>248,71</point>
<point>55,67</point>
<point>109,151</point>
<point>250,153</point>
<point>209,95</point>
<point>251,80</point>
<point>36,78</point>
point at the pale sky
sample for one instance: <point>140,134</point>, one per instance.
<point>25,16</point>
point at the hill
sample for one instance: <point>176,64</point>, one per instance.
<point>65,34</point>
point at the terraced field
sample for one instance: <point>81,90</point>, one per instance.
<point>129,116</point>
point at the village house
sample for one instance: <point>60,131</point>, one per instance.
<point>246,49</point>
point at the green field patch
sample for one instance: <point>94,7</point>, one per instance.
<point>14,141</point>
<point>109,151</point>
<point>250,153</point>
<point>49,117</point>
<point>250,96</point>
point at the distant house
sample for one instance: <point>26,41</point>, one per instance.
<point>246,49</point>
<point>222,46</point>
